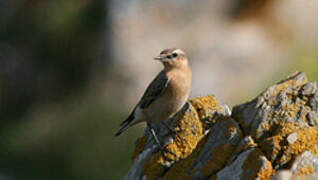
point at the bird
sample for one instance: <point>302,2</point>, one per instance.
<point>165,95</point>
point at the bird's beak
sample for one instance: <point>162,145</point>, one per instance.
<point>159,58</point>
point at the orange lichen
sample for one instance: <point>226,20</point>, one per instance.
<point>140,146</point>
<point>289,82</point>
<point>267,172</point>
<point>205,103</point>
<point>282,111</point>
<point>205,107</point>
<point>273,145</point>
<point>257,166</point>
<point>306,170</point>
<point>189,127</point>
<point>291,110</point>
<point>280,115</point>
<point>307,140</point>
<point>180,170</point>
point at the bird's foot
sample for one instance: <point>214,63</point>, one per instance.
<point>162,148</point>
<point>173,133</point>
<point>165,150</point>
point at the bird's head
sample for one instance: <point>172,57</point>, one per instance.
<point>172,58</point>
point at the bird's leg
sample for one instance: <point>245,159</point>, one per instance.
<point>172,131</point>
<point>153,132</point>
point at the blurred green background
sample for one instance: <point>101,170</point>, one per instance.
<point>70,71</point>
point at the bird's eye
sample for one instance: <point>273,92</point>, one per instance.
<point>169,57</point>
<point>174,55</point>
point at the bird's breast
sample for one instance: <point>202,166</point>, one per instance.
<point>179,86</point>
<point>172,99</point>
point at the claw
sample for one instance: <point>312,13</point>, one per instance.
<point>167,151</point>
<point>173,132</point>
<point>163,149</point>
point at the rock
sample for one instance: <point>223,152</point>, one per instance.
<point>250,164</point>
<point>312,118</point>
<point>221,142</point>
<point>305,163</point>
<point>273,136</point>
<point>190,123</point>
<point>309,89</point>
<point>283,175</point>
<point>292,138</point>
<point>278,104</point>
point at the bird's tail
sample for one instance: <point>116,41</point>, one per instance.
<point>125,124</point>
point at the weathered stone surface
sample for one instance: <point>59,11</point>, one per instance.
<point>189,124</point>
<point>292,138</point>
<point>281,152</point>
<point>305,163</point>
<point>283,175</point>
<point>250,164</point>
<point>284,102</point>
<point>273,136</point>
<point>222,141</point>
<point>288,175</point>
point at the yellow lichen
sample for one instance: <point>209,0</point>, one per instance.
<point>267,172</point>
<point>289,82</point>
<point>291,109</point>
<point>205,106</point>
<point>307,139</point>
<point>189,127</point>
<point>306,170</point>
<point>273,145</point>
<point>191,133</point>
<point>180,170</point>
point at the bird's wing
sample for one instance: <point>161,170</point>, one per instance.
<point>154,90</point>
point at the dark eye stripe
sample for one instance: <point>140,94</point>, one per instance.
<point>169,57</point>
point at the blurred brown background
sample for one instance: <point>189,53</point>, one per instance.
<point>70,71</point>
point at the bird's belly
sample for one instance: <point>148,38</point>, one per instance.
<point>163,109</point>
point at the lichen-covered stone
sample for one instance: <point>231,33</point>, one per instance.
<point>283,175</point>
<point>246,143</point>
<point>207,107</point>
<point>287,101</point>
<point>280,151</point>
<point>250,164</point>
<point>222,141</point>
<point>275,132</point>
<point>189,131</point>
<point>188,125</point>
<point>306,163</point>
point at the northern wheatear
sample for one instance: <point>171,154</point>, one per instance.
<point>165,95</point>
